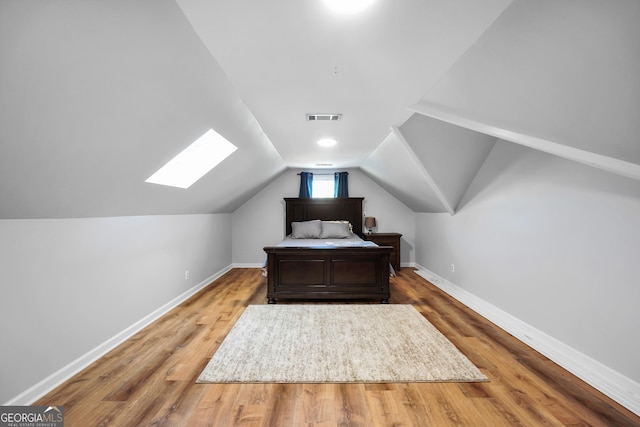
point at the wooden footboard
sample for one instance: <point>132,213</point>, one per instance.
<point>341,273</point>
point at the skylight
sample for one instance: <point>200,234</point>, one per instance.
<point>194,161</point>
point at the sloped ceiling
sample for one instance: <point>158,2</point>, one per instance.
<point>428,164</point>
<point>96,96</point>
<point>288,58</point>
<point>557,76</point>
<point>396,169</point>
<point>452,155</point>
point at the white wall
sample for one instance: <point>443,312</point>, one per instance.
<point>260,221</point>
<point>551,242</point>
<point>68,285</point>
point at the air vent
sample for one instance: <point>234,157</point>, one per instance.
<point>325,117</point>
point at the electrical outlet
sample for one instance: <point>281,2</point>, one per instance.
<point>453,268</point>
<point>186,275</point>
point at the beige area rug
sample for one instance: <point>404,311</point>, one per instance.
<point>352,343</point>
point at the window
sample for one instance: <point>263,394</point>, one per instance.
<point>323,186</point>
<point>194,161</point>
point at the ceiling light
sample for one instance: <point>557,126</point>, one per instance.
<point>194,161</point>
<point>327,142</point>
<point>348,6</point>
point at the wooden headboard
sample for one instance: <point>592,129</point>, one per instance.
<point>326,209</point>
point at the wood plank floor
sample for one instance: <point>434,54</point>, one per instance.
<point>150,379</point>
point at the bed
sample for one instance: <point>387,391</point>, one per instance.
<point>327,268</point>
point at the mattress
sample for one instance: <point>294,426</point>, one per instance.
<point>354,241</point>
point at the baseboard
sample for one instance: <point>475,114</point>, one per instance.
<point>618,387</point>
<point>247,265</point>
<point>38,390</point>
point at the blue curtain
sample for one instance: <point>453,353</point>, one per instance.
<point>306,182</point>
<point>341,185</point>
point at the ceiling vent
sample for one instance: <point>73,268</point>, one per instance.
<point>323,117</point>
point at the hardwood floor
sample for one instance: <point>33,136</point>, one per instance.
<point>150,379</point>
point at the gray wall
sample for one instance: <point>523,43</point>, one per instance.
<point>68,285</point>
<point>260,221</point>
<point>551,242</point>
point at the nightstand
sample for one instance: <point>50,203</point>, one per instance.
<point>388,239</point>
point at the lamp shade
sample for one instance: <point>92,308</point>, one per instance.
<point>369,221</point>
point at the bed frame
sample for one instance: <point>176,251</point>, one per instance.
<point>321,273</point>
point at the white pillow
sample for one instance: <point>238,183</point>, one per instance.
<point>306,229</point>
<point>335,230</point>
<point>342,221</point>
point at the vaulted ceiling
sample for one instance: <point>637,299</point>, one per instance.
<point>97,95</point>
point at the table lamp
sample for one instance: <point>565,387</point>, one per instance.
<point>369,222</point>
